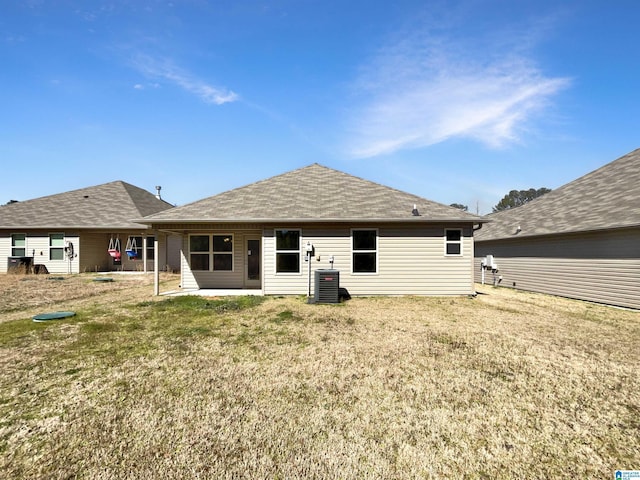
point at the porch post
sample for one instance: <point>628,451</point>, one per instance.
<point>144,253</point>
<point>156,268</point>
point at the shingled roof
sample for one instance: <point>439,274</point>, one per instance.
<point>606,198</point>
<point>313,193</point>
<point>111,205</point>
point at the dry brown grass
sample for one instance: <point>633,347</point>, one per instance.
<point>509,384</point>
<point>26,295</point>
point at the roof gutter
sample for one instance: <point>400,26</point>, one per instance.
<point>521,236</point>
<point>313,220</point>
<point>58,227</point>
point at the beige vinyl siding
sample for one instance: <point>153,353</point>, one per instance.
<point>95,256</point>
<point>216,279</point>
<point>601,267</point>
<point>411,260</point>
<point>173,247</point>
<point>94,253</point>
<point>37,246</point>
<point>5,251</point>
<point>188,279</point>
<point>90,249</point>
<point>285,283</point>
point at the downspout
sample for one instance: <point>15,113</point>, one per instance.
<point>473,272</point>
<point>156,268</point>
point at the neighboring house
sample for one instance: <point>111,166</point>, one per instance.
<point>72,232</point>
<point>255,237</point>
<point>581,240</point>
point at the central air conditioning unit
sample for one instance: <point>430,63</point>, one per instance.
<point>327,286</point>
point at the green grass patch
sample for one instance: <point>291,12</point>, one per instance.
<point>194,303</point>
<point>95,328</point>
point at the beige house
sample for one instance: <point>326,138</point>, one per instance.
<point>381,240</point>
<point>581,240</point>
<point>73,232</point>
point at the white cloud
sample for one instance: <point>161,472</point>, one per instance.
<point>164,69</point>
<point>424,90</point>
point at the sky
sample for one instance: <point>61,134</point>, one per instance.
<point>456,101</point>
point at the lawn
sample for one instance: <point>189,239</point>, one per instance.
<point>505,385</point>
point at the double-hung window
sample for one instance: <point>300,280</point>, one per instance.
<point>56,246</point>
<point>211,252</point>
<point>223,253</point>
<point>453,241</point>
<point>151,250</point>
<point>199,248</point>
<point>364,251</point>
<point>18,244</point>
<point>287,251</point>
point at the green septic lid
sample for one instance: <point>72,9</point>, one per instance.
<point>103,279</point>
<point>45,317</point>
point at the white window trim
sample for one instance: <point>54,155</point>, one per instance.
<point>275,248</point>
<point>376,251</point>
<point>232,252</point>
<point>211,252</point>
<point>26,241</point>
<point>64,238</point>
<point>453,242</point>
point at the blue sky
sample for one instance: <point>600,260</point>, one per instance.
<point>455,101</point>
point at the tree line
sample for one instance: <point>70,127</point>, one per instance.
<point>513,199</point>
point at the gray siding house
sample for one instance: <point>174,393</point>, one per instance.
<point>581,240</point>
<point>383,241</point>
<point>72,232</point>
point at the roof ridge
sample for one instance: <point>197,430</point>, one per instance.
<point>396,190</point>
<point>65,193</point>
<point>111,203</point>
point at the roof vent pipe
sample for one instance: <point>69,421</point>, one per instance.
<point>158,188</point>
<point>415,211</point>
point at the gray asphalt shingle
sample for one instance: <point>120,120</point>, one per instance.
<point>312,193</point>
<point>110,205</point>
<point>606,198</point>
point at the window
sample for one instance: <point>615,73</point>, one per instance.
<point>136,243</point>
<point>204,248</point>
<point>199,252</point>
<point>364,248</point>
<point>18,245</point>
<point>288,251</point>
<point>56,246</point>
<point>223,253</point>
<point>151,251</point>
<point>453,242</point>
